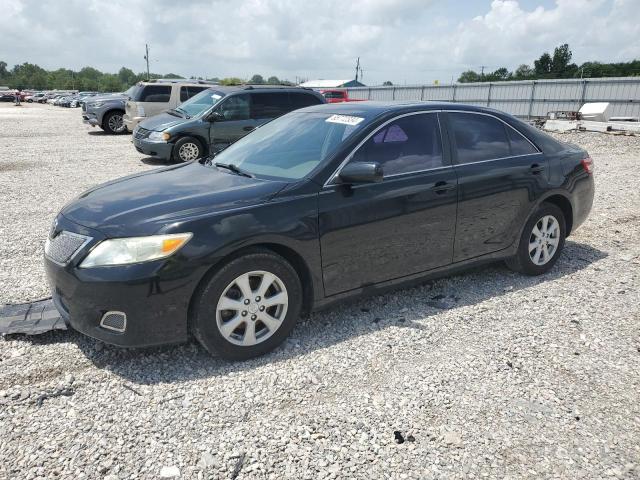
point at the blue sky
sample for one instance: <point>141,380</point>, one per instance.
<point>405,41</point>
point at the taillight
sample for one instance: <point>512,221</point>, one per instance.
<point>587,164</point>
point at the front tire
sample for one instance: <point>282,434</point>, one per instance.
<point>541,241</point>
<point>187,149</point>
<point>113,123</point>
<point>248,307</point>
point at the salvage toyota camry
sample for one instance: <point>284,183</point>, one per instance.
<point>323,203</point>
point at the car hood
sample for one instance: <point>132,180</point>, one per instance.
<point>144,203</point>
<point>162,121</point>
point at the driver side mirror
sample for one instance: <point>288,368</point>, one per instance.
<point>216,116</point>
<point>361,172</point>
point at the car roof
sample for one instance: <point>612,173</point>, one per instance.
<point>371,109</point>
<point>237,88</point>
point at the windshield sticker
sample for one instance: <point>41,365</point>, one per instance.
<point>344,119</point>
<point>215,96</point>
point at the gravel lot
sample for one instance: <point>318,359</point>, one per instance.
<point>486,374</point>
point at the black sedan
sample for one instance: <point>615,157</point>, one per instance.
<point>321,204</point>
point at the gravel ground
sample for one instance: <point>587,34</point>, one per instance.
<point>486,374</point>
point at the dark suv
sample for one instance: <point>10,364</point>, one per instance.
<point>215,118</point>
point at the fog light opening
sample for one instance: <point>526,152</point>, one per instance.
<point>115,321</point>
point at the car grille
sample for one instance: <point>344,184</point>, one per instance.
<point>142,132</point>
<point>64,246</point>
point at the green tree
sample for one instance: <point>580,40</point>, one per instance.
<point>560,61</point>
<point>126,76</point>
<point>231,81</point>
<point>523,72</point>
<point>469,76</point>
<point>257,79</point>
<point>387,83</point>
<point>543,65</point>
<point>273,80</point>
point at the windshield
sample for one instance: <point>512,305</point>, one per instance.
<point>290,146</point>
<point>129,91</point>
<point>201,102</point>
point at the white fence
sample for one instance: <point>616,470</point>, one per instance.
<point>525,98</point>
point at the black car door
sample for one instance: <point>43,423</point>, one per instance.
<point>405,224</point>
<point>500,176</point>
<point>233,121</point>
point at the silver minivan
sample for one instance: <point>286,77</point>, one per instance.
<point>155,96</point>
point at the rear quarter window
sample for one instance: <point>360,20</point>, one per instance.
<point>152,93</point>
<point>302,99</point>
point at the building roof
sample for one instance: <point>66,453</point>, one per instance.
<point>326,83</point>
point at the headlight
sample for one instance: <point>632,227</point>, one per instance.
<point>123,251</point>
<point>159,136</point>
<point>96,104</point>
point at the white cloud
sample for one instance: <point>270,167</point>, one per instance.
<point>399,40</point>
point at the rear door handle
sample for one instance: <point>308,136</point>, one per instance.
<point>248,128</point>
<point>443,187</point>
<point>536,168</point>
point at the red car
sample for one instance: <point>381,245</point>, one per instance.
<point>338,96</point>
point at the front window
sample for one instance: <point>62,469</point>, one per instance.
<point>201,102</point>
<point>291,146</point>
<point>409,144</point>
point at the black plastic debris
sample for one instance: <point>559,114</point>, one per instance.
<point>31,318</point>
<point>398,437</point>
<point>58,392</point>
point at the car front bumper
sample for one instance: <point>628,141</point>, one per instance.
<point>90,119</point>
<point>153,149</point>
<point>154,296</point>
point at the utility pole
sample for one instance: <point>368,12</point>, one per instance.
<point>357,68</point>
<point>482,71</point>
<point>146,57</point>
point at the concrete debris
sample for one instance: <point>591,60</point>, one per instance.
<point>618,128</point>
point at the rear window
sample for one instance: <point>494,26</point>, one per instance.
<point>187,92</point>
<point>152,93</point>
<point>302,99</point>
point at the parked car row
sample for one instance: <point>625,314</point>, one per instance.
<point>183,120</point>
<point>210,120</point>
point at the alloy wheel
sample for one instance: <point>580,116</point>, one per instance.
<point>188,151</point>
<point>252,308</point>
<point>116,123</point>
<point>544,240</point>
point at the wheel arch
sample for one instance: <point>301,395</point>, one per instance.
<point>288,253</point>
<point>564,204</point>
<point>106,113</point>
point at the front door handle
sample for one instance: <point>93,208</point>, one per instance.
<point>536,168</point>
<point>248,128</point>
<point>443,187</point>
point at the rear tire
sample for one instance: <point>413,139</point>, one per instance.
<point>541,241</point>
<point>247,307</point>
<point>187,149</point>
<point>113,123</point>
